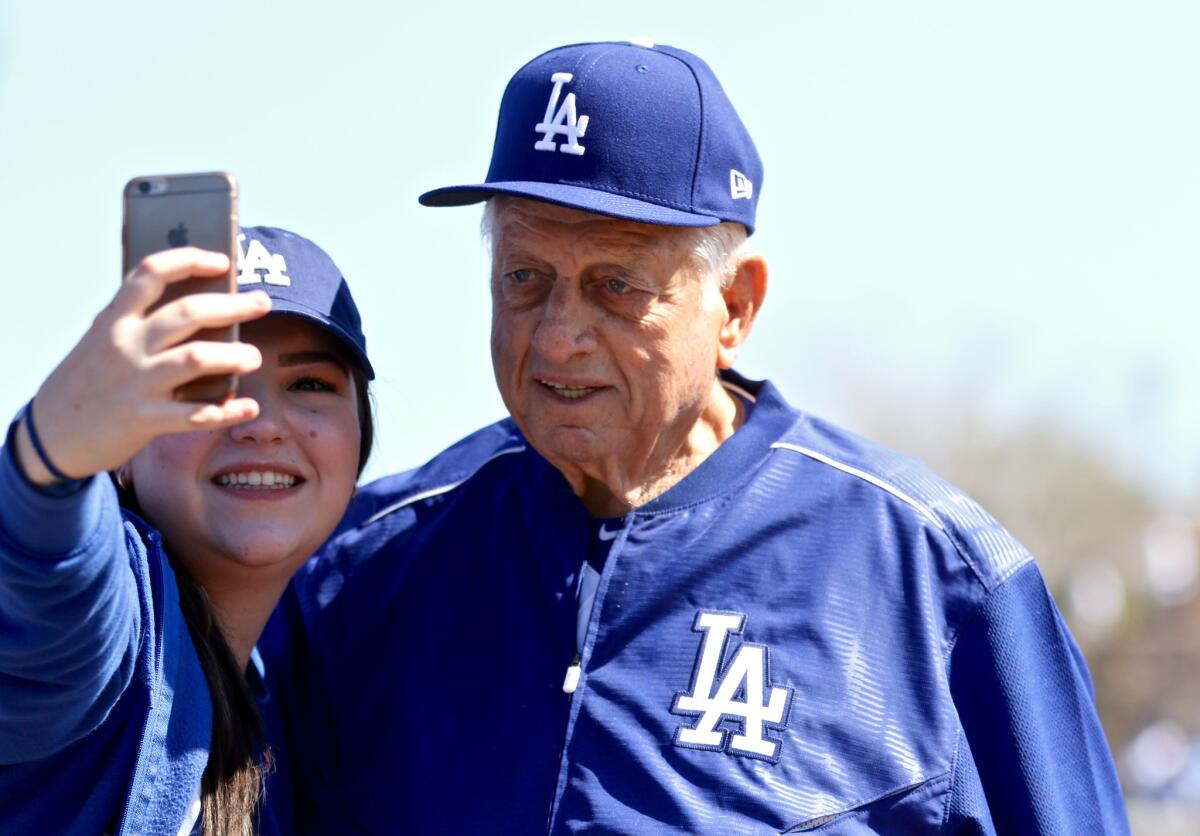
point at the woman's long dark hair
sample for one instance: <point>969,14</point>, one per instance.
<point>238,759</point>
<point>233,779</point>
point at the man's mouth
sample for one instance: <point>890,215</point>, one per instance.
<point>570,392</point>
<point>257,480</point>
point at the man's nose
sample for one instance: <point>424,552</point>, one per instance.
<point>566,327</point>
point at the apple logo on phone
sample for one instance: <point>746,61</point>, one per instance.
<point>177,236</point>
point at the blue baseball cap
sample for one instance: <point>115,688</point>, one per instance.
<point>302,280</point>
<point>632,130</point>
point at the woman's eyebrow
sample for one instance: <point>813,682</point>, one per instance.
<point>304,358</point>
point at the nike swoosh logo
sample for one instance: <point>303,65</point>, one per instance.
<point>607,535</point>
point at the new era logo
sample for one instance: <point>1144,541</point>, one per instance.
<point>740,185</point>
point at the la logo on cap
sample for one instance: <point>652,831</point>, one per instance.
<point>255,259</point>
<point>563,121</point>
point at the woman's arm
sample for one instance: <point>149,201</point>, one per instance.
<point>70,615</point>
<point>70,620</point>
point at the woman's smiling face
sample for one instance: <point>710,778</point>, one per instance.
<point>268,492</point>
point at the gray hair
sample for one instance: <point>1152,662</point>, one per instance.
<point>715,249</point>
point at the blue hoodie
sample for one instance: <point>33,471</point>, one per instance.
<point>105,714</point>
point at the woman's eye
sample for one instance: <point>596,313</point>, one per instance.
<point>312,384</point>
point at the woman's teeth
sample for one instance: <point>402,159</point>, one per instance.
<point>256,479</point>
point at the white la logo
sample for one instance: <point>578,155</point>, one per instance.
<point>740,185</point>
<point>255,258</point>
<point>747,675</point>
<point>561,122</point>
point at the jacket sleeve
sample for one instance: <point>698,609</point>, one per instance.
<point>70,618</point>
<point>1034,758</point>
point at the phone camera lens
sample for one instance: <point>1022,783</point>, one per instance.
<point>144,187</point>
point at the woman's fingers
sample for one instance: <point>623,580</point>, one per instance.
<point>182,364</point>
<point>191,416</point>
<point>176,321</point>
<point>144,284</point>
<point>185,416</point>
<point>115,390</point>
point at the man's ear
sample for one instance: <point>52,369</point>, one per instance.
<point>743,300</point>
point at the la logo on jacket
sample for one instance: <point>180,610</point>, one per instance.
<point>761,706</point>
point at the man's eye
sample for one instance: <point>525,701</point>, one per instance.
<point>521,276</point>
<point>617,287</point>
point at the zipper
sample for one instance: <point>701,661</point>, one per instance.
<point>573,679</point>
<point>140,759</point>
<point>154,551</point>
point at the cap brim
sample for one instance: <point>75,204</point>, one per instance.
<point>574,197</point>
<point>287,306</point>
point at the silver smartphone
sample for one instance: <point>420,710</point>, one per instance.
<point>180,210</point>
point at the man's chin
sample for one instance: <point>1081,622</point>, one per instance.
<point>570,446</point>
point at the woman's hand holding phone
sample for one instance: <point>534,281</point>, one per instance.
<point>115,391</point>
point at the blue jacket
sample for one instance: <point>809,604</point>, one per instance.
<point>806,632</point>
<point>105,714</point>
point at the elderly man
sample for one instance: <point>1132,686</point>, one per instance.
<point>658,598</point>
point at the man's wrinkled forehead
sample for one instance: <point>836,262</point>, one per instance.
<point>522,223</point>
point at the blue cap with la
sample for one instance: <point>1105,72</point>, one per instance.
<point>631,130</point>
<point>301,280</point>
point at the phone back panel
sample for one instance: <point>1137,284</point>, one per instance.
<point>180,210</point>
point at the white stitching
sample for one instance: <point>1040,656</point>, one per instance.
<point>866,477</point>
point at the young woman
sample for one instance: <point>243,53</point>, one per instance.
<point>128,681</point>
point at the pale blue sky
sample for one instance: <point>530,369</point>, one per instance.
<point>994,202</point>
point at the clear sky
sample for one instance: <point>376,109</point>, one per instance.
<point>963,200</point>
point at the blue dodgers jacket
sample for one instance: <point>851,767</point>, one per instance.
<point>807,632</point>
<point>105,714</point>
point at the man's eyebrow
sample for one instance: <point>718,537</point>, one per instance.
<point>304,358</point>
<point>620,269</point>
<point>521,254</point>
